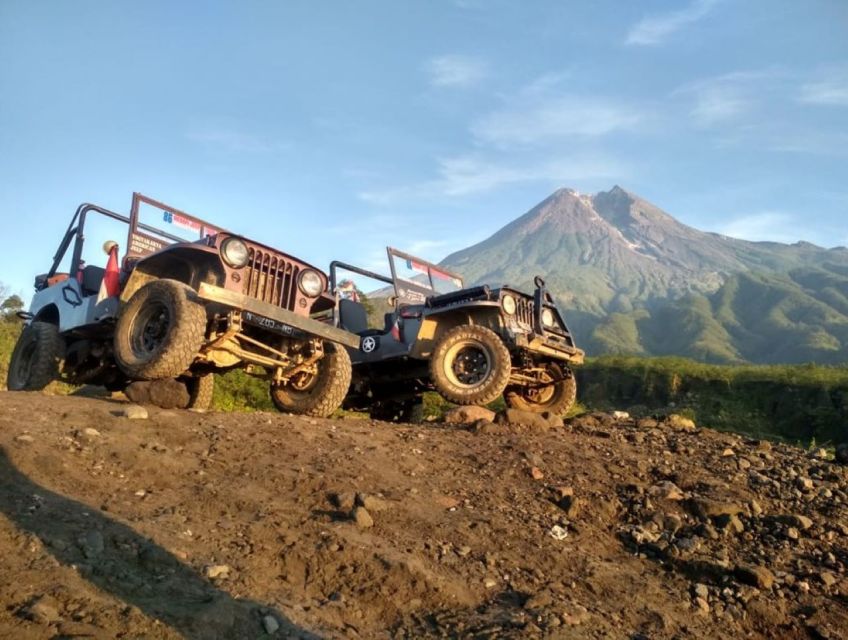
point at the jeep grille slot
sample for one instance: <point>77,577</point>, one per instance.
<point>524,311</point>
<point>271,279</point>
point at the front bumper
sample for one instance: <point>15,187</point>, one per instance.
<point>283,316</point>
<point>550,345</point>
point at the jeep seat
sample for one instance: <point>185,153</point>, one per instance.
<point>92,277</point>
<point>354,318</point>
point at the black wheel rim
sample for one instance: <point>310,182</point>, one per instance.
<point>468,364</point>
<point>150,329</point>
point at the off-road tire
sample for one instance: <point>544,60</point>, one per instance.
<point>562,398</point>
<point>200,390</point>
<point>326,390</point>
<point>167,355</point>
<point>35,359</point>
<point>486,342</point>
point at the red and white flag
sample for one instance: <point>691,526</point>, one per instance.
<point>111,284</point>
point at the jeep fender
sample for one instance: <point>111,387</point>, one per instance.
<point>436,322</point>
<point>190,264</point>
<point>62,305</point>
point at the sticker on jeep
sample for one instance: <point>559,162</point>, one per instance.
<point>369,343</point>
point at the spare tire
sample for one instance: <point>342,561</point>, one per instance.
<point>159,331</point>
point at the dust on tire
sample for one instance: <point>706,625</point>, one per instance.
<point>325,392</point>
<point>169,352</point>
<point>35,359</point>
<point>445,355</point>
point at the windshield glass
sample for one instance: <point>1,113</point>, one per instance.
<point>425,275</point>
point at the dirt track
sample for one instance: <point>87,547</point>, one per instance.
<point>227,525</point>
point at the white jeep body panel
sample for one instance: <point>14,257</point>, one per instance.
<point>75,309</point>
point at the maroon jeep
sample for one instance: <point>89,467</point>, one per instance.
<point>180,307</point>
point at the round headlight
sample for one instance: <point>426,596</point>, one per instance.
<point>548,318</point>
<point>234,252</point>
<point>508,304</point>
<point>310,283</point>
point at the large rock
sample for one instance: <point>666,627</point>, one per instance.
<point>759,577</point>
<point>468,415</point>
<point>362,518</point>
<point>518,418</point>
<point>44,610</point>
<point>166,394</point>
<point>680,423</point>
<point>704,508</point>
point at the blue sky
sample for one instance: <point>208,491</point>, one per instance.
<point>332,129</point>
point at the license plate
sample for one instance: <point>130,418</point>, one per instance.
<point>272,325</point>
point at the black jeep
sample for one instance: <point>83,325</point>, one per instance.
<point>469,344</point>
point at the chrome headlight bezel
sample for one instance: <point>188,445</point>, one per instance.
<point>548,318</point>
<point>235,252</point>
<point>509,304</point>
<point>311,283</point>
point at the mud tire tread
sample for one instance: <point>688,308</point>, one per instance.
<point>181,346</point>
<point>200,391</point>
<point>49,349</point>
<point>502,366</point>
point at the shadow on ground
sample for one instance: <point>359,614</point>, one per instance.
<point>132,568</point>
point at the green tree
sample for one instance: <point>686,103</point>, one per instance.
<point>10,307</point>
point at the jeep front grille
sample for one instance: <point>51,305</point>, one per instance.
<point>524,311</point>
<point>271,279</point>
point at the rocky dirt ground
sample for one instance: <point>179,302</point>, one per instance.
<point>182,524</point>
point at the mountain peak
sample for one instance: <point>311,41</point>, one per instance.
<point>636,280</point>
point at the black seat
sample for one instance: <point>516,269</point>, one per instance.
<point>389,319</point>
<point>92,276</point>
<point>353,316</point>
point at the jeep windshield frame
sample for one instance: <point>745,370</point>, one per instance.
<point>145,238</point>
<point>417,289</point>
<point>407,290</point>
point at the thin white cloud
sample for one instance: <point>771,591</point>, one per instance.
<point>455,70</point>
<point>547,110</point>
<point>829,90</point>
<point>529,122</point>
<point>423,247</point>
<point>655,29</point>
<point>773,226</point>
<point>467,175</point>
<point>232,140</point>
<point>808,140</point>
<point>728,97</point>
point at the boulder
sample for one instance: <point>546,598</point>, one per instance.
<point>518,418</point>
<point>468,415</point>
